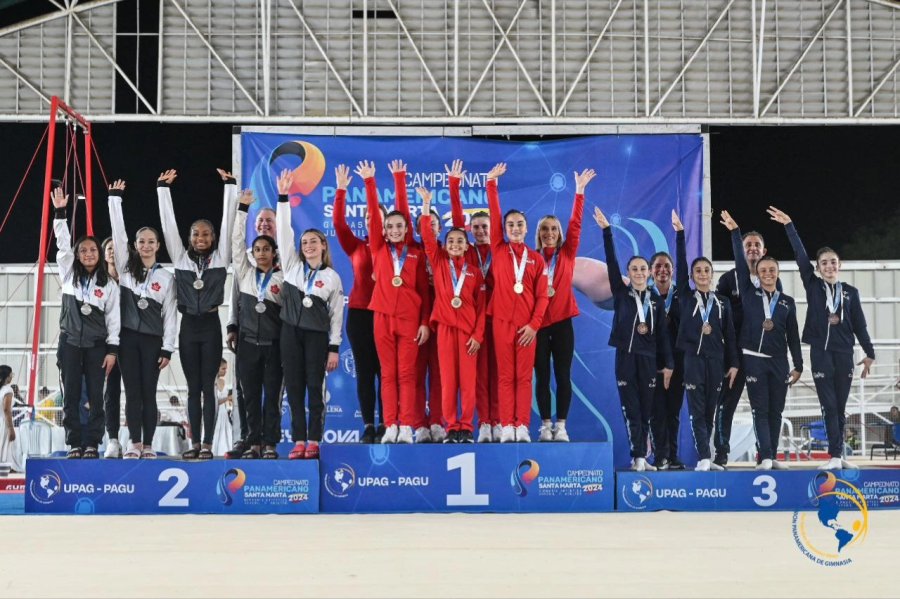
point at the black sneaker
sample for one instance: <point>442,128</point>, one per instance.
<point>721,459</point>
<point>662,464</point>
<point>237,450</point>
<point>368,436</point>
<point>379,433</point>
<point>452,437</point>
<point>465,437</point>
<point>675,464</point>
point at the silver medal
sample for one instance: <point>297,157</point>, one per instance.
<point>143,303</point>
<point>198,284</point>
<point>86,309</point>
<point>260,307</point>
<point>307,302</point>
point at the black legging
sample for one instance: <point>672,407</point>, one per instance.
<point>139,358</point>
<point>305,354</point>
<point>200,348</point>
<point>558,341</point>
<point>360,332</point>
<point>112,398</point>
<point>82,364</point>
<point>239,390</point>
<point>261,370</point>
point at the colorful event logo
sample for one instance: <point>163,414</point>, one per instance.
<point>225,489</point>
<point>524,474</point>
<point>305,177</point>
<point>45,488</point>
<point>339,482</point>
<point>638,493</point>
<point>842,521</point>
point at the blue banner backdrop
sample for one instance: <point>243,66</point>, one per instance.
<point>739,490</point>
<point>642,178</point>
<point>54,486</point>
<point>513,477</point>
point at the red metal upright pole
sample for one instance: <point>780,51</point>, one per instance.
<point>42,251</point>
<point>89,181</point>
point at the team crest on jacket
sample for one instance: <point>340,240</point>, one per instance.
<point>274,289</point>
<point>98,293</point>
<point>155,286</point>
<point>320,284</point>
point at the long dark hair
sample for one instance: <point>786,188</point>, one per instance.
<point>135,265</point>
<point>5,371</point>
<point>79,272</point>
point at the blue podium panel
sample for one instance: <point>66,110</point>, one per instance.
<point>512,477</point>
<point>744,490</point>
<point>59,486</point>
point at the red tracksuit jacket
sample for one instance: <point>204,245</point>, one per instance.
<point>359,253</point>
<point>474,251</point>
<point>562,305</point>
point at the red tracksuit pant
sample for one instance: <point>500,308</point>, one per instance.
<point>427,363</point>
<point>395,340</point>
<point>458,373</point>
<point>486,381</point>
<point>515,370</point>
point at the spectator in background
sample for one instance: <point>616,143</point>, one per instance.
<point>18,405</point>
<point>9,449</point>
<point>851,443</point>
<point>895,414</point>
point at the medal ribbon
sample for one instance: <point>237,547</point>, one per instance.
<point>398,261</point>
<point>262,284</point>
<point>458,280</point>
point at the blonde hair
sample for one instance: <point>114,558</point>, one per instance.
<point>326,253</point>
<point>537,233</point>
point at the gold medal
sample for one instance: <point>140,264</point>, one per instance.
<point>456,302</point>
<point>768,324</point>
<point>397,281</point>
<point>551,291</point>
<point>519,288</point>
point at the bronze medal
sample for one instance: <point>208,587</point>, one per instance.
<point>642,328</point>
<point>768,324</point>
<point>834,319</point>
<point>707,328</point>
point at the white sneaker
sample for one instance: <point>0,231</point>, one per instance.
<point>390,434</point>
<point>766,464</point>
<point>522,434</point>
<point>559,432</point>
<point>776,465</point>
<point>438,434</point>
<point>703,466</point>
<point>648,466</point>
<point>406,434</point>
<point>484,433</point>
<point>423,435</point>
<point>848,465</point>
<point>832,464</point>
<point>546,432</point>
<point>497,433</point>
<point>638,464</point>
<point>716,467</point>
<point>508,434</point>
<point>113,449</point>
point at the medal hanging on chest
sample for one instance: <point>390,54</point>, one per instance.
<point>834,299</point>
<point>519,270</point>
<point>399,261</point>
<point>705,311</point>
<point>202,264</point>
<point>87,289</point>
<point>768,309</point>
<point>551,273</point>
<point>309,281</point>
<point>643,311</point>
<point>142,302</point>
<point>457,281</point>
<point>262,285</point>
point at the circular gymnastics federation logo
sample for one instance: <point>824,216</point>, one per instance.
<point>229,484</point>
<point>841,521</point>
<point>339,481</point>
<point>637,493</point>
<point>46,487</point>
<point>523,475</point>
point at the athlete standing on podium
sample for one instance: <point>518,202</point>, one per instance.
<point>833,316</point>
<point>640,336</point>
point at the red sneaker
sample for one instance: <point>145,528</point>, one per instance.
<point>312,451</point>
<point>298,452</point>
